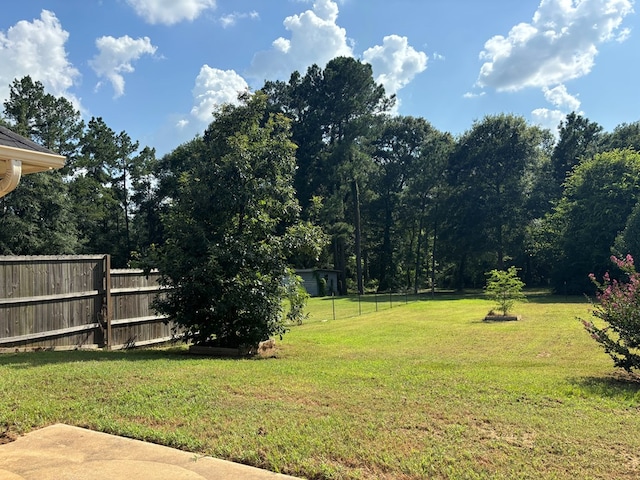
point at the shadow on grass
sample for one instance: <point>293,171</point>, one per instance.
<point>536,296</point>
<point>551,298</point>
<point>619,385</point>
<point>381,298</point>
<point>48,357</point>
<point>404,298</point>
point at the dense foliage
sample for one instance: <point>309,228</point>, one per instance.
<point>388,201</point>
<point>618,308</point>
<point>599,198</point>
<point>490,174</point>
<point>95,204</point>
<point>225,250</point>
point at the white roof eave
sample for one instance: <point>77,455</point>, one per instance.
<point>32,161</point>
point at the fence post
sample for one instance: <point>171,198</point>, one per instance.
<point>108,314</point>
<point>333,304</point>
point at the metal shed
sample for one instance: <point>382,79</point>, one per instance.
<point>318,282</point>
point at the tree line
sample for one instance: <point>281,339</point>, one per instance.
<point>389,201</point>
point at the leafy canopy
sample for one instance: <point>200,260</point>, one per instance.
<point>600,195</point>
<point>225,254</point>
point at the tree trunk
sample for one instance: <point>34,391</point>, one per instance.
<point>416,282</point>
<point>410,258</point>
<point>356,204</point>
<point>460,272</point>
<point>340,263</point>
<point>416,279</point>
<point>387,251</point>
<point>365,266</point>
<point>500,249</point>
<point>433,252</point>
<point>126,211</point>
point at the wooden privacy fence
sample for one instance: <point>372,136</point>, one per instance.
<point>68,302</point>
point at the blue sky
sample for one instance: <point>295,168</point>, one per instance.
<point>157,68</point>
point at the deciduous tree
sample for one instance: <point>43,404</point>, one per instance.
<point>333,112</point>
<point>224,258</point>
<point>599,197</point>
<point>489,173</point>
<point>579,139</point>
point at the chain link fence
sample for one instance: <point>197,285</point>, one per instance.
<point>335,308</point>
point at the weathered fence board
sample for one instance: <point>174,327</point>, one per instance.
<point>77,302</point>
<point>133,322</point>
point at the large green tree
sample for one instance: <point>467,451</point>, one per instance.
<point>224,258</point>
<point>23,108</point>
<point>490,178</point>
<point>410,157</point>
<point>599,198</point>
<point>352,99</point>
<point>333,112</point>
<point>95,199</point>
<point>579,138</point>
<point>113,182</point>
<point>146,224</point>
<point>625,135</point>
<point>35,219</point>
<point>628,241</point>
<point>125,166</point>
<point>422,208</point>
<point>50,121</point>
<point>396,147</point>
<point>38,217</point>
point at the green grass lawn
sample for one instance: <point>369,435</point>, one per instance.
<point>420,390</point>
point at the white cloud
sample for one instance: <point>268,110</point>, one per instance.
<point>182,123</point>
<point>169,12</point>
<point>395,63</point>
<point>474,95</point>
<point>37,49</point>
<point>559,97</point>
<point>558,45</point>
<point>564,102</point>
<point>315,38</point>
<point>115,57</point>
<point>547,118</point>
<point>624,34</point>
<point>231,19</point>
<point>215,87</point>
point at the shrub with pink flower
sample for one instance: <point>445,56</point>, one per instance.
<point>618,308</point>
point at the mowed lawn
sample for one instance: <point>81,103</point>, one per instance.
<point>422,390</point>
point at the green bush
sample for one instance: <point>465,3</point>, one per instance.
<point>322,287</point>
<point>619,309</point>
<point>298,297</point>
<point>227,230</point>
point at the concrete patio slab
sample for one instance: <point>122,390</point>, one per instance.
<point>63,452</point>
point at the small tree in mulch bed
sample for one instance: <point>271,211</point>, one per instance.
<point>505,288</point>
